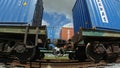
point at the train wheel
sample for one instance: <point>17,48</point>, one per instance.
<point>24,53</point>
<point>2,44</point>
<point>111,56</point>
<point>7,47</point>
<point>95,51</point>
<point>80,53</point>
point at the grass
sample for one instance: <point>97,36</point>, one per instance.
<point>51,56</point>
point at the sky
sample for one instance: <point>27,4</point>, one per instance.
<point>57,14</point>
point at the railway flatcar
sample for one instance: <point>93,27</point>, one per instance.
<point>21,33</point>
<point>97,30</point>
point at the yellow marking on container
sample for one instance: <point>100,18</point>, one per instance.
<point>24,3</point>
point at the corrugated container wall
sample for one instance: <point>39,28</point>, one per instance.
<point>99,14</point>
<point>66,33</point>
<point>51,33</point>
<point>21,12</point>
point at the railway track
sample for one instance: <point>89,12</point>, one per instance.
<point>60,64</point>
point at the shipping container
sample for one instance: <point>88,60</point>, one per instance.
<point>21,12</point>
<point>98,14</point>
<point>66,33</point>
<point>51,32</point>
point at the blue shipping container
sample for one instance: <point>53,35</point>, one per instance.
<point>21,12</point>
<point>51,32</point>
<point>99,14</point>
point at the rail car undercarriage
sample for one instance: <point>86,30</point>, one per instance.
<point>22,42</point>
<point>27,43</point>
<point>96,45</point>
